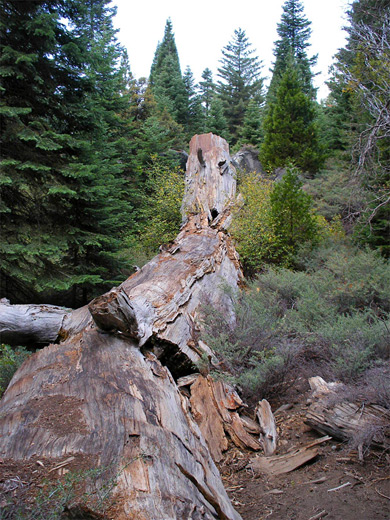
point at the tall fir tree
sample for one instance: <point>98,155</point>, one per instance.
<point>195,116</point>
<point>63,194</point>
<point>41,86</point>
<point>104,205</point>
<point>292,217</point>
<point>252,129</point>
<point>290,127</point>
<point>240,81</point>
<point>207,90</point>
<point>359,94</point>
<point>216,121</point>
<point>294,34</point>
<point>166,81</point>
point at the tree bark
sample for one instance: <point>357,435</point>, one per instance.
<point>106,395</point>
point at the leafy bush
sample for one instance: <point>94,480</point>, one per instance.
<point>251,228</point>
<point>10,361</point>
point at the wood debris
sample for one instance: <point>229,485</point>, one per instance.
<point>279,464</point>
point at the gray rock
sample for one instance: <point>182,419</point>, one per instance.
<point>247,160</point>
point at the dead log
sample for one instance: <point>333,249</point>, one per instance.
<point>345,420</point>
<point>33,323</point>
<point>105,395</point>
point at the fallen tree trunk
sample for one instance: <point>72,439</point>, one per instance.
<point>105,394</point>
<point>346,421</point>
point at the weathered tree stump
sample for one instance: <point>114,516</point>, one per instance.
<point>106,395</point>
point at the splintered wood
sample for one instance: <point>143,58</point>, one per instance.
<point>214,406</point>
<point>268,433</point>
<point>279,464</point>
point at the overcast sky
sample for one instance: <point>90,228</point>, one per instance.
<point>203,27</point>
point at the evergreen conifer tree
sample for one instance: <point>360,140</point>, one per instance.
<point>290,127</point>
<point>207,90</point>
<point>292,218</point>
<point>216,122</point>
<point>240,81</point>
<point>166,81</point>
<point>41,86</point>
<point>64,192</point>
<point>251,131</point>
<point>195,116</point>
<point>360,94</point>
<point>294,33</point>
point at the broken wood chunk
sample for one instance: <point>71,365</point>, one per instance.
<point>208,417</point>
<point>114,312</point>
<point>239,435</point>
<point>187,380</point>
<point>250,425</point>
<point>279,464</point>
<point>268,433</point>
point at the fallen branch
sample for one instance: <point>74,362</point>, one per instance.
<point>339,487</point>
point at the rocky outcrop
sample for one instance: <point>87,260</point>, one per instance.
<point>247,160</point>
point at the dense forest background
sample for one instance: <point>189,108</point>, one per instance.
<point>92,180</point>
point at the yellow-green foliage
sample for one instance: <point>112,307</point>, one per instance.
<point>160,216</point>
<point>252,229</point>
<point>275,220</point>
<point>333,229</point>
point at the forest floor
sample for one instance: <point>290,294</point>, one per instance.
<point>307,492</point>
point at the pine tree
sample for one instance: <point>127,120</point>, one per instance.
<point>41,85</point>
<point>195,116</point>
<point>240,80</point>
<point>361,78</point>
<point>216,122</point>
<point>207,90</point>
<point>64,191</point>
<point>290,127</point>
<point>104,206</point>
<point>252,131</point>
<point>166,80</point>
<point>294,32</point>
<point>292,218</point>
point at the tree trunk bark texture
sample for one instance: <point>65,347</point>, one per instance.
<point>105,393</point>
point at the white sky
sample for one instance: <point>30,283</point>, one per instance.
<point>203,27</point>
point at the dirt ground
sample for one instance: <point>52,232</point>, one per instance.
<point>307,492</point>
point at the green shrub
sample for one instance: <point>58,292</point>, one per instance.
<point>10,361</point>
<point>331,320</point>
